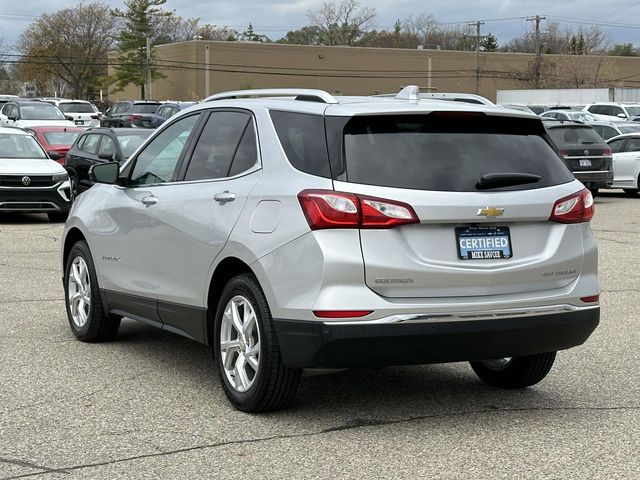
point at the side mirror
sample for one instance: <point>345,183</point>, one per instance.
<point>621,115</point>
<point>106,156</point>
<point>13,118</point>
<point>105,173</point>
<point>53,155</point>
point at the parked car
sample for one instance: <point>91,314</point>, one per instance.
<point>130,114</point>
<point>570,115</point>
<point>609,130</point>
<point>167,110</point>
<point>626,162</point>
<point>25,114</point>
<point>586,154</point>
<point>280,232</point>
<point>521,108</point>
<point>56,140</point>
<point>100,145</point>
<point>614,111</point>
<point>29,180</point>
<point>80,112</point>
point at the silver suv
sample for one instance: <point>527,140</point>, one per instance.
<point>296,230</point>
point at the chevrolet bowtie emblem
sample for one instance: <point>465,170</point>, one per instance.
<point>490,212</point>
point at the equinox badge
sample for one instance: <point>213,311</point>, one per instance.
<point>490,212</point>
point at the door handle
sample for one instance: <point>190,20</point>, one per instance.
<point>150,200</point>
<point>224,197</point>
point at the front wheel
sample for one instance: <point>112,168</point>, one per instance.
<point>58,217</point>
<point>87,318</point>
<point>514,372</point>
<point>246,350</point>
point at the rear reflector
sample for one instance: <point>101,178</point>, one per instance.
<point>576,208</point>
<point>341,313</point>
<point>328,209</point>
<point>591,299</point>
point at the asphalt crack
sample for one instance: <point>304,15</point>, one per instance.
<point>351,424</point>
<point>22,463</point>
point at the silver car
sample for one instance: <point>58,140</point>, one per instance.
<point>294,230</point>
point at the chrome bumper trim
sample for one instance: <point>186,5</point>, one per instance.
<point>465,316</point>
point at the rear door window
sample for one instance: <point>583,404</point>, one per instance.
<point>616,145</point>
<point>633,145</point>
<point>90,143</point>
<point>447,152</point>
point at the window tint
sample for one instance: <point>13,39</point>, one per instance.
<point>633,145</point>
<point>217,145</point>
<point>605,132</point>
<point>90,143</point>
<point>44,111</point>
<point>19,146</point>
<point>302,137</point>
<point>157,162</point>
<point>107,147</point>
<point>6,109</point>
<point>616,145</point>
<point>629,128</point>
<point>574,135</point>
<point>247,153</point>
<point>129,142</point>
<point>60,138</point>
<point>443,153</point>
<point>77,107</point>
<point>145,108</point>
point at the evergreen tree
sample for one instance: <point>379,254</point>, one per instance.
<point>139,21</point>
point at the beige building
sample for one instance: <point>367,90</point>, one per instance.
<point>196,69</point>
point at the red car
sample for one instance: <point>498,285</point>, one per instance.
<point>56,140</point>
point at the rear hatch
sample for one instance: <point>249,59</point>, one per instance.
<point>81,113</point>
<point>583,149</point>
<point>473,237</point>
<point>143,114</point>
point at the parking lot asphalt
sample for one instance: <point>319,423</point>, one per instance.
<point>149,404</point>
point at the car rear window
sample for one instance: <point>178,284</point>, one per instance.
<point>447,152</point>
<point>145,107</point>
<point>61,138</point>
<point>76,107</point>
<point>573,135</point>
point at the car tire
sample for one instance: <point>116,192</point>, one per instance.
<point>514,372</point>
<point>249,364</point>
<point>594,192</point>
<point>58,217</point>
<point>73,186</point>
<point>88,320</point>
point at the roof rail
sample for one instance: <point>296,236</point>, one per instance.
<point>306,94</point>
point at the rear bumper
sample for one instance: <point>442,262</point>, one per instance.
<point>309,344</point>
<point>595,179</point>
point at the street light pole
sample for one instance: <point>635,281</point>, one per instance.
<point>148,95</point>
<point>477,25</point>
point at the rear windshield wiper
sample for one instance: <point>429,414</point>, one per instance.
<point>497,180</point>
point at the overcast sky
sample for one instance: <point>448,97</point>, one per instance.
<point>275,18</point>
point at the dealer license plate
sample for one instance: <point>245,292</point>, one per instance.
<point>483,243</point>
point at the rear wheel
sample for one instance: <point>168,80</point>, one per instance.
<point>87,318</point>
<point>514,372</point>
<point>246,350</point>
<point>594,192</point>
<point>73,181</point>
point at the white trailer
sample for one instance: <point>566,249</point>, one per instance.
<point>567,96</point>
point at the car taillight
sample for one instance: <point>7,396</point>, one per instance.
<point>564,153</point>
<point>576,208</point>
<point>135,117</point>
<point>607,152</point>
<point>328,209</point>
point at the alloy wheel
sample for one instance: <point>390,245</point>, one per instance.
<point>240,343</point>
<point>79,292</point>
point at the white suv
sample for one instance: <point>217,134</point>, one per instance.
<point>314,231</point>
<point>614,111</point>
<point>80,112</point>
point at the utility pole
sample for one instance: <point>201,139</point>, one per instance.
<point>538,61</point>
<point>477,25</point>
<point>148,95</point>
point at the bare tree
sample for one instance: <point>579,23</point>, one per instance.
<point>421,27</point>
<point>556,39</point>
<point>68,46</point>
<point>342,22</point>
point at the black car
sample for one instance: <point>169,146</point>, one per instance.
<point>130,113</point>
<point>100,145</point>
<point>167,110</point>
<point>584,151</point>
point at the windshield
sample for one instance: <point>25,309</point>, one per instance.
<point>77,107</point>
<point>633,111</point>
<point>145,107</point>
<point>41,112</point>
<point>19,146</point>
<point>582,116</point>
<point>131,141</point>
<point>61,138</point>
<point>574,135</point>
<point>447,153</point>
